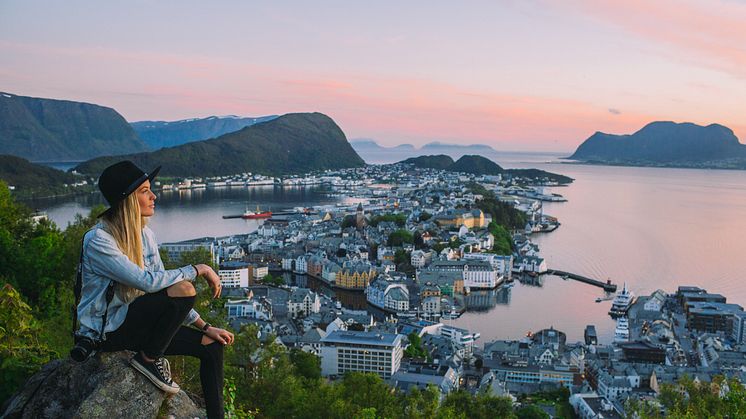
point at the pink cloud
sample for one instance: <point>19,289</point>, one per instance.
<point>710,36</point>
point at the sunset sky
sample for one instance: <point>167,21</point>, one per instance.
<point>517,75</point>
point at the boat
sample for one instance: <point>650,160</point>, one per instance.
<point>622,302</point>
<point>251,215</point>
<point>621,333</point>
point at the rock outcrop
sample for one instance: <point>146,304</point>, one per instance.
<point>104,386</point>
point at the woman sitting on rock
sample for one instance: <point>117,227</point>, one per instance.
<point>151,309</point>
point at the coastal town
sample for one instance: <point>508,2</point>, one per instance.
<point>367,285</point>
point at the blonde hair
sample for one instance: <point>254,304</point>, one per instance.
<point>125,224</point>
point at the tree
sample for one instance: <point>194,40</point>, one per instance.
<point>399,237</point>
<point>21,351</point>
<point>306,364</point>
<point>503,240</point>
<point>531,412</point>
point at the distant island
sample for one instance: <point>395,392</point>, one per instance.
<point>479,165</point>
<point>61,130</point>
<point>666,144</point>
<point>367,144</point>
<point>159,134</point>
<point>290,144</point>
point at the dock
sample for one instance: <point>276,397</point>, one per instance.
<point>607,286</point>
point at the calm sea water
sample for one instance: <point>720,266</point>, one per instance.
<point>652,228</point>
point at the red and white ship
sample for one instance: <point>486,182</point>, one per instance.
<point>251,215</point>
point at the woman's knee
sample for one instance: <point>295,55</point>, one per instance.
<point>181,289</point>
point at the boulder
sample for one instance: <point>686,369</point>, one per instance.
<point>103,386</point>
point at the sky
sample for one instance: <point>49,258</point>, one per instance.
<point>516,75</point>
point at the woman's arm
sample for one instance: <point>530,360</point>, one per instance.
<point>106,259</point>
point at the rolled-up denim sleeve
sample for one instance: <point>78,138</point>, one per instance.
<point>106,259</point>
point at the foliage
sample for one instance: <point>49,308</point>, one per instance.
<point>503,241</point>
<point>399,219</point>
<point>502,213</point>
<point>531,412</point>
<point>415,349</point>
<point>275,280</point>
<point>437,161</point>
<point>21,350</point>
<point>424,216</point>
<point>721,398</point>
<point>400,237</point>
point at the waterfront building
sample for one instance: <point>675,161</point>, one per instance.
<point>388,295</point>
<point>459,336</point>
<point>355,275</point>
<point>431,306</point>
<point>656,301</point>
<point>234,274</point>
<point>710,317</point>
<point>303,302</point>
<point>301,265</point>
<point>590,336</point>
<point>480,275</point>
<point>348,351</point>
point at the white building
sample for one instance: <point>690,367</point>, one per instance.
<point>460,336</point>
<point>503,264</point>
<point>251,308</point>
<point>532,264</point>
<point>431,305</point>
<point>234,274</point>
<point>346,351</point>
<point>419,259</point>
<point>287,263</point>
<point>480,275</point>
<point>388,295</point>
<point>656,301</point>
<point>303,302</point>
<point>260,271</point>
<point>301,265</point>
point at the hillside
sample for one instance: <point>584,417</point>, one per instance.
<point>159,134</point>
<point>292,143</point>
<point>440,162</point>
<point>61,130</point>
<point>438,147</point>
<point>479,166</point>
<point>28,178</point>
<point>666,144</point>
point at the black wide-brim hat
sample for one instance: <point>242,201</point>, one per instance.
<point>121,179</point>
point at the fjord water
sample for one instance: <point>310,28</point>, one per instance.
<point>651,227</point>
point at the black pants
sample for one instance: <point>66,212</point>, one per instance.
<point>154,325</point>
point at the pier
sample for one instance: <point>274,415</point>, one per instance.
<point>607,286</point>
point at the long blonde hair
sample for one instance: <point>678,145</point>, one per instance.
<point>125,223</point>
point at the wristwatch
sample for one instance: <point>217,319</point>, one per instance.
<point>206,326</point>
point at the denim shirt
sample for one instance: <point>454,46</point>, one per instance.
<point>104,262</point>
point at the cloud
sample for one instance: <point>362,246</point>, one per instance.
<point>701,34</point>
<point>615,111</point>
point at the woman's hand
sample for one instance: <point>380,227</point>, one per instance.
<point>219,335</point>
<point>213,280</point>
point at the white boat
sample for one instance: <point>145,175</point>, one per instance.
<point>621,333</point>
<point>622,302</point>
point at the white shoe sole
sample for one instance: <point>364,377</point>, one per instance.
<point>158,383</point>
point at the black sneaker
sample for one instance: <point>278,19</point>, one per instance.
<point>158,371</point>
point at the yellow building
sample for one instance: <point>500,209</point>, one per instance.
<point>355,275</point>
<point>457,218</point>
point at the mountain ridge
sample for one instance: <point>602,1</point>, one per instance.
<point>292,143</point>
<point>160,134</point>
<point>54,130</point>
<point>666,143</point>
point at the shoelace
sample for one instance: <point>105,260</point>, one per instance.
<point>164,368</point>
